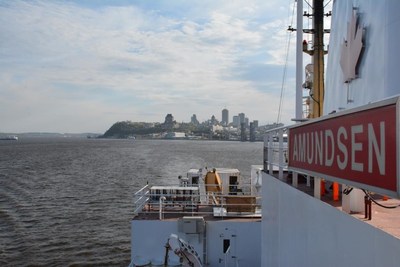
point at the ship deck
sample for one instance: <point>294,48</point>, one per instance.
<point>388,220</point>
<point>173,213</point>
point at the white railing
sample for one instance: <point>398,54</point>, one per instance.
<point>140,198</point>
<point>276,151</point>
<point>194,203</point>
<point>276,154</point>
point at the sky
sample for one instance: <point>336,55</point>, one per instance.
<point>80,66</point>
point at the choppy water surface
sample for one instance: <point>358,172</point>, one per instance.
<point>67,202</point>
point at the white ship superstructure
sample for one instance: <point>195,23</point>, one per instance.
<point>214,215</point>
<point>353,145</point>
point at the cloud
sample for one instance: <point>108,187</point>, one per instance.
<point>77,66</point>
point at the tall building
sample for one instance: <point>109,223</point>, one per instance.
<point>235,121</point>
<point>252,132</point>
<point>243,136</point>
<point>255,122</point>
<point>242,118</point>
<point>225,117</point>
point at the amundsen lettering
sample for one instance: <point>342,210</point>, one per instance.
<point>343,147</point>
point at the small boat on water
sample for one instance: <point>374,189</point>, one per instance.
<point>10,138</point>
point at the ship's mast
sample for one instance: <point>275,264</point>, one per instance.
<point>317,52</point>
<point>318,59</point>
<point>299,62</point>
<point>317,93</point>
<point>317,89</point>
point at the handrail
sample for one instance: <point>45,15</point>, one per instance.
<point>141,189</point>
<point>270,153</point>
<point>140,207</point>
<point>141,197</point>
<point>171,203</point>
<point>274,152</point>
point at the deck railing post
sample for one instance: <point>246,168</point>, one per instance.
<point>270,154</point>
<point>280,154</point>
<point>295,179</point>
<point>160,208</point>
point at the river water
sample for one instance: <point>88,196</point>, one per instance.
<point>68,202</point>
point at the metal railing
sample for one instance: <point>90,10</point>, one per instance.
<point>276,151</point>
<point>195,203</point>
<point>276,155</point>
<point>141,197</point>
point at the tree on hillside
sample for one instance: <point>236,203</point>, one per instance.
<point>124,129</point>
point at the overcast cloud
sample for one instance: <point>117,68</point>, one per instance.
<point>80,66</point>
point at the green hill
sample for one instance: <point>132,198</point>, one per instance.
<point>125,129</point>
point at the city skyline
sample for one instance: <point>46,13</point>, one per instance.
<point>221,121</point>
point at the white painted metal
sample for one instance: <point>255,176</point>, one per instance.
<point>298,230</point>
<point>256,180</point>
<point>299,72</point>
<point>246,249</point>
<point>295,179</point>
<point>152,227</point>
<point>299,61</point>
<point>280,151</point>
<point>161,200</point>
<point>354,201</point>
<point>224,174</point>
<point>270,153</point>
<point>247,240</point>
<point>317,187</point>
<point>379,64</point>
<point>275,151</point>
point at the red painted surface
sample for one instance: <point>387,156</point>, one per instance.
<point>359,147</point>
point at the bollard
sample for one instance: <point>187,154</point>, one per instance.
<point>368,208</point>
